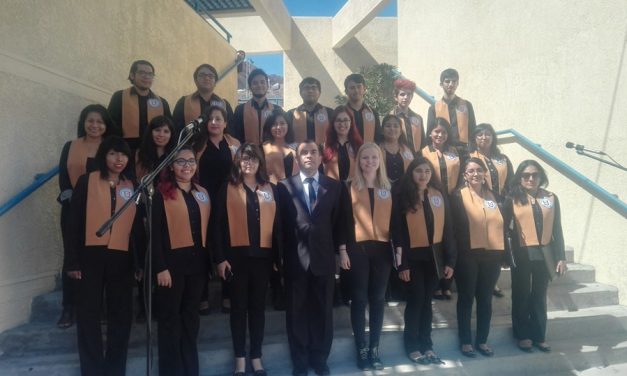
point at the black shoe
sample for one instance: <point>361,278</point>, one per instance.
<point>322,370</point>
<point>67,318</point>
<point>542,347</point>
<point>204,309</point>
<point>363,363</point>
<point>498,293</point>
<point>432,358</point>
<point>525,345</point>
<point>485,351</point>
<point>260,372</point>
<point>373,357</point>
<point>469,353</point>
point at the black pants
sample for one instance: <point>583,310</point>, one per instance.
<point>69,286</point>
<point>248,290</point>
<point>110,271</point>
<point>368,278</point>
<point>419,312</point>
<point>179,324</point>
<point>309,319</point>
<point>477,274</point>
<point>530,281</point>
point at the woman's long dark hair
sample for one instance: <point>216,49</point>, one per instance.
<point>114,143</point>
<point>408,193</point>
<point>331,143</point>
<point>111,128</point>
<point>516,190</point>
<point>147,152</point>
<point>203,136</point>
<point>251,151</point>
<point>267,127</point>
<point>402,139</point>
<point>167,181</point>
<point>472,142</point>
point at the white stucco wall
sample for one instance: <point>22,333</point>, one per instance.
<point>312,55</point>
<point>55,58</point>
<point>554,70</point>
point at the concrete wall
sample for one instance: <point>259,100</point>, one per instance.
<point>311,55</point>
<point>554,70</point>
<point>55,58</point>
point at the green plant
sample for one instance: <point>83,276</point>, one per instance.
<point>380,87</point>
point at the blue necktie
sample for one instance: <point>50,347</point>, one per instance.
<point>312,193</point>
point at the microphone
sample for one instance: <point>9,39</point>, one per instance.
<point>581,148</point>
<point>194,125</point>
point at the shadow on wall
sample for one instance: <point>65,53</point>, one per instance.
<point>606,134</point>
<point>307,63</point>
<point>355,55</point>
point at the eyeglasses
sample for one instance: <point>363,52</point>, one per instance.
<point>343,121</point>
<point>145,74</point>
<point>182,162</point>
<point>528,175</point>
<point>208,76</point>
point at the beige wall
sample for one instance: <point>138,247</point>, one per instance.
<point>312,55</point>
<point>55,58</point>
<point>554,70</point>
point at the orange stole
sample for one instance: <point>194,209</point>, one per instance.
<point>252,123</point>
<point>77,157</point>
<point>417,227</point>
<point>368,225</point>
<point>485,222</point>
<point>238,217</point>
<point>130,112</point>
<point>321,122</point>
<point>406,154</point>
<point>99,211</point>
<point>452,165</point>
<point>369,124</point>
<point>274,162</point>
<point>177,216</point>
<point>501,169</point>
<point>441,110</point>
<point>332,168</point>
<point>417,128</point>
<point>525,223</point>
<point>191,107</point>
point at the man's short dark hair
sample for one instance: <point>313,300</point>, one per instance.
<point>255,73</point>
<point>136,65</point>
<point>309,81</point>
<point>354,77</point>
<point>308,141</point>
<point>449,73</point>
<point>210,67</point>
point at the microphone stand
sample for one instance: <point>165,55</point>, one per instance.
<point>613,164</point>
<point>146,187</point>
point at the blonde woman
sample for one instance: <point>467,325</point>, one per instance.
<point>368,258</point>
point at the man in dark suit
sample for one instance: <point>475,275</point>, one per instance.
<point>314,228</point>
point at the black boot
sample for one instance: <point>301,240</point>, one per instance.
<point>362,358</point>
<point>68,316</point>
<point>373,357</point>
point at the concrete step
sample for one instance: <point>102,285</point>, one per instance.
<point>577,273</point>
<point>593,339</point>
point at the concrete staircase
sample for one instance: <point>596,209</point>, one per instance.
<point>587,330</point>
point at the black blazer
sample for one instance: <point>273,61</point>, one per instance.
<point>320,233</point>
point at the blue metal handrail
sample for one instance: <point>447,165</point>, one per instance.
<point>40,179</point>
<point>609,199</point>
<point>513,136</point>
